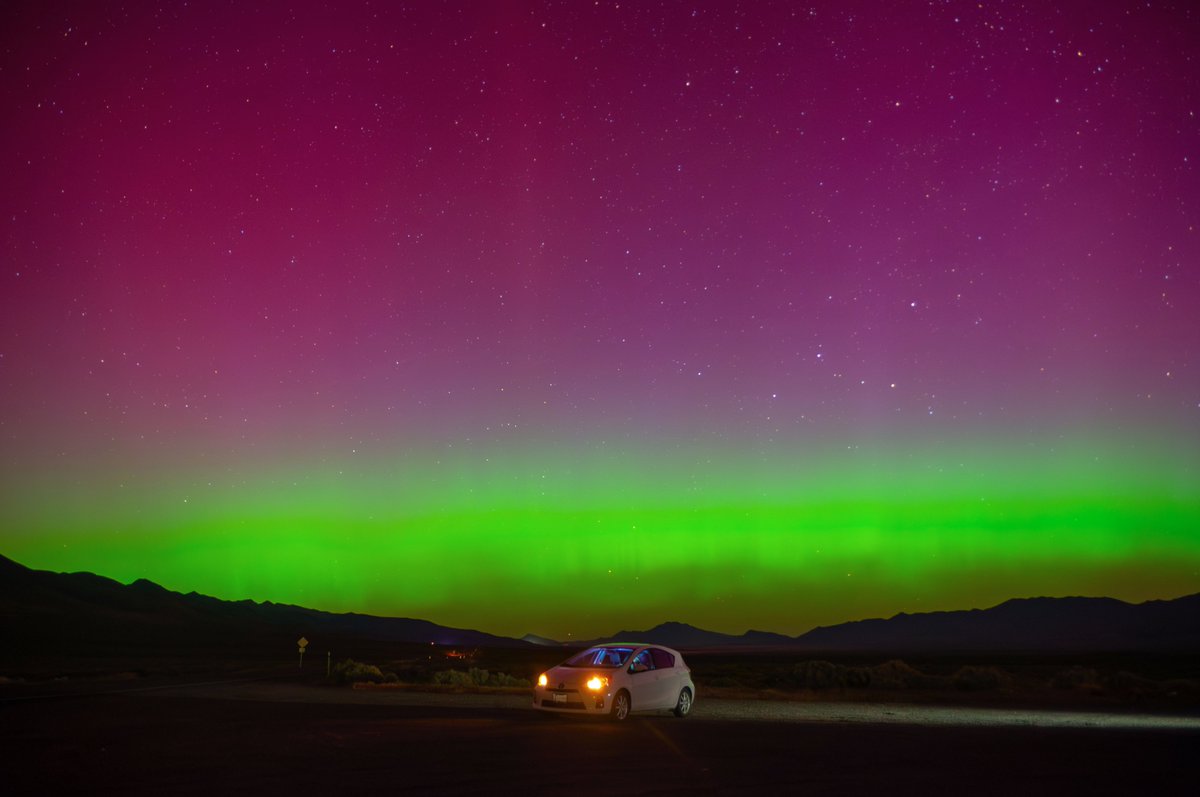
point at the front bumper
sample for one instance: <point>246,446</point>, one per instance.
<point>572,701</point>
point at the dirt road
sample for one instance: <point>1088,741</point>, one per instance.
<point>253,738</point>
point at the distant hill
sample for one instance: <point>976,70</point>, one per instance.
<point>1035,625</point>
<point>1026,624</point>
<point>682,635</point>
<point>57,613</point>
<point>47,612</point>
<point>534,639</point>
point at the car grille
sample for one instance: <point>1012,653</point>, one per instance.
<point>573,699</point>
<point>577,705</point>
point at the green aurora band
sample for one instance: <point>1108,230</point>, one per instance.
<point>518,541</point>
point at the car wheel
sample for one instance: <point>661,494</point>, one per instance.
<point>684,706</point>
<point>620,706</point>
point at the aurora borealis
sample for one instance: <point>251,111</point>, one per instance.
<point>570,317</point>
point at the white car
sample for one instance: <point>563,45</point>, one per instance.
<point>617,678</point>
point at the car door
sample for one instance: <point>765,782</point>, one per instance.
<point>666,679</point>
<point>642,684</point>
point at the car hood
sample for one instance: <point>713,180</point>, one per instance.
<point>575,677</point>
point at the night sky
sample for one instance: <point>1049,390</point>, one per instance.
<point>563,317</point>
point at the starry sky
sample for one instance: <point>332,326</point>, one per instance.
<point>565,317</point>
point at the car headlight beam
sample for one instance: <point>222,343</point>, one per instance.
<point>543,680</point>
<point>596,683</point>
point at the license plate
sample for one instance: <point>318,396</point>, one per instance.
<point>560,698</point>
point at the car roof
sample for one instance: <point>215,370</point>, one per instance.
<point>633,645</point>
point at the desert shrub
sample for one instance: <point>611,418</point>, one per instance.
<point>1181,688</point>
<point>478,677</point>
<point>1077,678</point>
<point>351,671</point>
<point>1127,683</point>
<point>858,677</point>
<point>504,679</point>
<point>977,679</point>
<point>411,674</point>
<point>770,678</point>
<point>818,674</point>
<point>391,678</point>
<point>453,678</point>
<point>896,674</point>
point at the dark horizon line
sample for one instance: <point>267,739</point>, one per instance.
<point>591,639</point>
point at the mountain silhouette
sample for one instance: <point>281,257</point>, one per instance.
<point>75,612</point>
<point>681,635</point>
<point>57,613</point>
<point>1026,624</point>
<point>1035,625</point>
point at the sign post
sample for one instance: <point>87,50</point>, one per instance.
<point>303,643</point>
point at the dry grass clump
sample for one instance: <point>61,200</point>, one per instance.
<point>478,677</point>
<point>822,675</point>
<point>1116,683</point>
<point>351,671</point>
<point>362,674</point>
<point>819,674</point>
<point>899,674</point>
<point>972,678</point>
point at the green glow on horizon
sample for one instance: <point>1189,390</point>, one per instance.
<point>517,542</point>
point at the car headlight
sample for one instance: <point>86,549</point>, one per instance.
<point>596,683</point>
<point>543,680</point>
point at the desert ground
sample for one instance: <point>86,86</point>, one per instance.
<point>283,733</point>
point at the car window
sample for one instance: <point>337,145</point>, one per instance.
<point>641,661</point>
<point>600,657</point>
<point>662,659</point>
<point>615,657</point>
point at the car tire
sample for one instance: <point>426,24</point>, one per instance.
<point>683,706</point>
<point>620,706</point>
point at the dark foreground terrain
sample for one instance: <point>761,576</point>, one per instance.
<point>270,737</point>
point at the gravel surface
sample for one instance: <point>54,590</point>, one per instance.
<point>267,737</point>
<point>723,709</point>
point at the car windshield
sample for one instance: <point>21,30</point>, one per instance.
<point>600,657</point>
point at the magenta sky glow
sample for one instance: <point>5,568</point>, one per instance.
<point>257,237</point>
